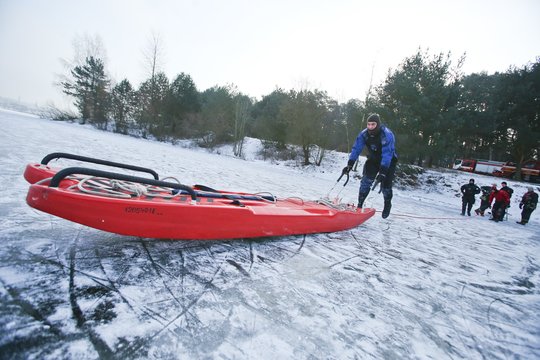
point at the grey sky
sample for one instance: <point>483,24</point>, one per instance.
<point>261,45</point>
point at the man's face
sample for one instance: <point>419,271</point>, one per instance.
<point>371,126</point>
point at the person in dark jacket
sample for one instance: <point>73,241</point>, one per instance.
<point>381,160</point>
<point>468,192</point>
<point>505,187</point>
<point>528,205</point>
<point>484,199</point>
<point>502,200</point>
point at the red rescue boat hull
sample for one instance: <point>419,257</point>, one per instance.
<point>182,218</point>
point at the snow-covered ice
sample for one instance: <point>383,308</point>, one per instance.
<point>426,283</point>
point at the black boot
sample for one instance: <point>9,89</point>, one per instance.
<point>387,207</point>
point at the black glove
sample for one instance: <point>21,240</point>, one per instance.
<point>521,206</point>
<point>346,170</point>
<point>349,167</point>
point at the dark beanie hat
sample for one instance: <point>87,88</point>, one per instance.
<point>374,118</point>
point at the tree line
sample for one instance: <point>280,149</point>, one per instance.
<point>437,113</point>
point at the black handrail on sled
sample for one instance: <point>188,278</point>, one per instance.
<point>59,176</point>
<point>60,155</point>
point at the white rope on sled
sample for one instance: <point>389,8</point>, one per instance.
<point>126,189</point>
<point>118,188</point>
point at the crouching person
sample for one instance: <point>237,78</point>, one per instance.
<point>484,199</point>
<point>502,200</point>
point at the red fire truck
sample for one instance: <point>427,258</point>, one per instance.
<point>530,170</point>
<point>479,166</point>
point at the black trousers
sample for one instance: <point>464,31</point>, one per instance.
<point>526,214</point>
<point>467,205</point>
<point>371,168</point>
<point>498,210</point>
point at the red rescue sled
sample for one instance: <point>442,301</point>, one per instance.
<point>148,207</point>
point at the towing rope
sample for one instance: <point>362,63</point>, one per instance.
<point>429,218</point>
<point>126,190</point>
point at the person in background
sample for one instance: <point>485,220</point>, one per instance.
<point>468,192</point>
<point>484,199</point>
<point>502,200</point>
<point>509,190</point>
<point>528,205</point>
<point>381,161</point>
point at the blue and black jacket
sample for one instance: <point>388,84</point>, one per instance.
<point>381,147</point>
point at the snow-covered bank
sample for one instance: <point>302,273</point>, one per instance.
<point>424,283</point>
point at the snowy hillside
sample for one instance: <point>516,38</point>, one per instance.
<point>426,283</point>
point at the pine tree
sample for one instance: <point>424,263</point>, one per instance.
<point>183,100</point>
<point>152,97</point>
<point>123,103</point>
<point>90,89</point>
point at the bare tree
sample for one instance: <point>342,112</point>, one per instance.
<point>153,56</point>
<point>84,46</point>
<point>241,117</point>
<point>153,89</point>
